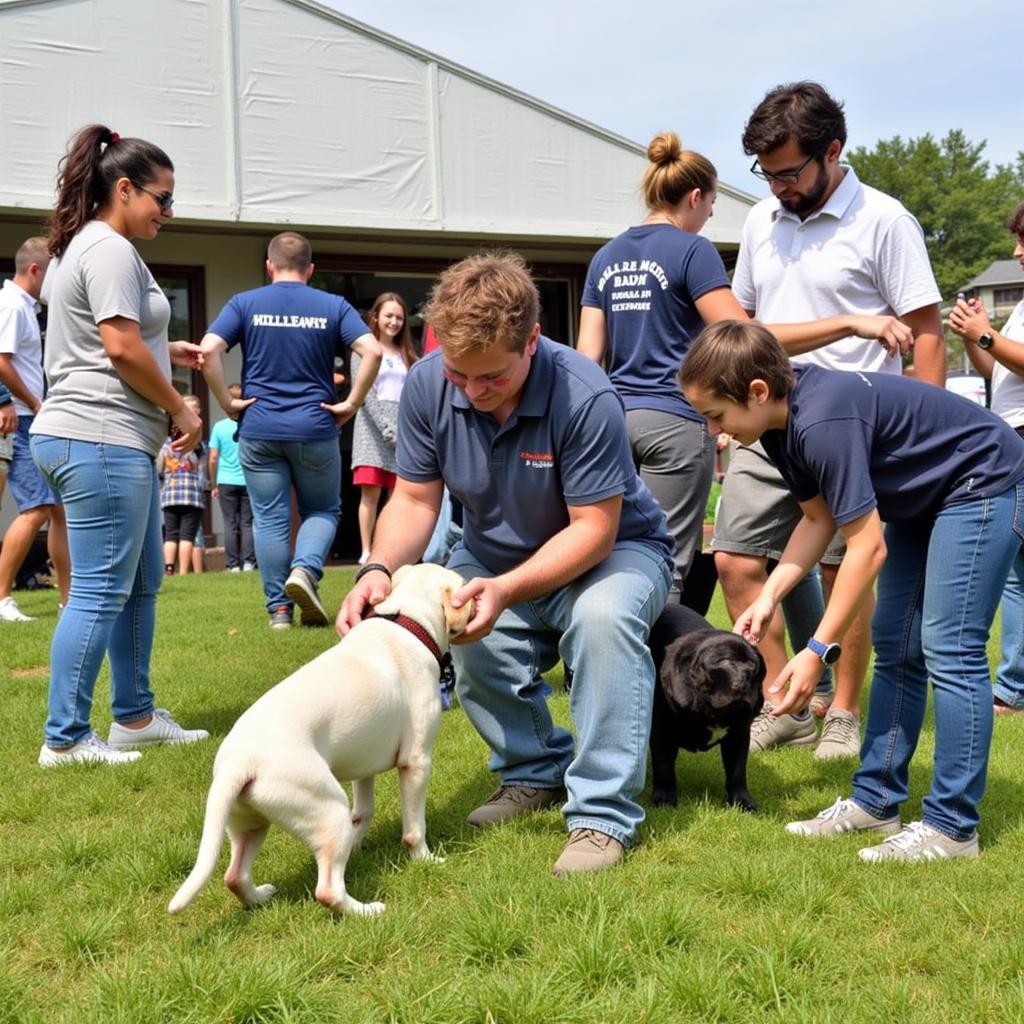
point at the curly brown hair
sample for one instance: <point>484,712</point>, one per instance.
<point>485,300</point>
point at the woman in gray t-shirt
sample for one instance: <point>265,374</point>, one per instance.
<point>108,361</point>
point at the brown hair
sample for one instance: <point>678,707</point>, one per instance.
<point>32,250</point>
<point>1016,221</point>
<point>487,299</point>
<point>726,356</point>
<point>801,110</point>
<point>404,340</point>
<point>290,251</point>
<point>95,159</point>
<point>674,172</point>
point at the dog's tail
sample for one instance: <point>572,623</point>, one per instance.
<point>223,792</point>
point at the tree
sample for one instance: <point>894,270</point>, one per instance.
<point>962,206</point>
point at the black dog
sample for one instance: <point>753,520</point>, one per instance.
<point>708,691</point>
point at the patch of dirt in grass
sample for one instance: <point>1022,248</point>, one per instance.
<point>35,672</point>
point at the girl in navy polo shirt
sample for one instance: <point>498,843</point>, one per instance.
<point>945,477</point>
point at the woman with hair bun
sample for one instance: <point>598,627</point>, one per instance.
<point>97,435</point>
<point>649,292</point>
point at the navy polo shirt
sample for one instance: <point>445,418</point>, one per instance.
<point>866,440</point>
<point>290,334</point>
<point>565,444</point>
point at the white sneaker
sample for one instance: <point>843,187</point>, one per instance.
<point>249,567</point>
<point>235,568</point>
<point>302,588</point>
<point>92,748</point>
<point>364,557</point>
<point>10,612</point>
<point>919,841</point>
<point>163,729</point>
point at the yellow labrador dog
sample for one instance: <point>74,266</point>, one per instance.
<point>370,703</point>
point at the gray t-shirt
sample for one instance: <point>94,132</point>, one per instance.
<point>99,276</point>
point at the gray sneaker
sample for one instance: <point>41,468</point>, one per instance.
<point>588,850</point>
<point>508,801</point>
<point>302,588</point>
<point>843,816</point>
<point>919,841</point>
<point>281,617</point>
<point>840,735</point>
<point>162,729</point>
<point>768,730</point>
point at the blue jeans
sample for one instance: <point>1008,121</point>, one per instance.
<point>1009,687</point>
<point>599,624</point>
<point>111,499</point>
<point>937,595</point>
<point>802,609</point>
<point>272,469</point>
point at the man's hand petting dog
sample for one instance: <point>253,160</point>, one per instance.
<point>491,599</point>
<point>708,692</point>
<point>364,596</point>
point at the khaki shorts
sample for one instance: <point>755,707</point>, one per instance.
<point>757,513</point>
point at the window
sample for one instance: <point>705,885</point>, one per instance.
<point>1007,296</point>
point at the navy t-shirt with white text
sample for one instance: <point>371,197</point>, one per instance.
<point>867,440</point>
<point>646,282</point>
<point>290,334</point>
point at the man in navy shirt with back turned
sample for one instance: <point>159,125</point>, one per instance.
<point>565,550</point>
<point>288,428</point>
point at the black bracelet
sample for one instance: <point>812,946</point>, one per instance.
<point>372,567</point>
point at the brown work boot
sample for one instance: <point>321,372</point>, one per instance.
<point>588,850</point>
<point>508,801</point>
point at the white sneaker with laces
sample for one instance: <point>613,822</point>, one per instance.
<point>162,729</point>
<point>92,748</point>
<point>10,612</point>
<point>918,842</point>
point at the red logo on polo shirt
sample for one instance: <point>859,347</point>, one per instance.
<point>537,460</point>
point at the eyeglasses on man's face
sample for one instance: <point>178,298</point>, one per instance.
<point>165,200</point>
<point>790,177</point>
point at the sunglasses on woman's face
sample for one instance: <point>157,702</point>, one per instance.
<point>165,200</point>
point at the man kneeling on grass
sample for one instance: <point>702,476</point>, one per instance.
<point>945,476</point>
<point>566,552</point>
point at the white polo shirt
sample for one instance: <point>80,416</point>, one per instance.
<point>862,252</point>
<point>20,338</point>
<point>1007,386</point>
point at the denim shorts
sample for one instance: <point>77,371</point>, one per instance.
<point>27,485</point>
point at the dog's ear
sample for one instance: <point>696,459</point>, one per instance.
<point>456,619</point>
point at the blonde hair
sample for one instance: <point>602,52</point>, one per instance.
<point>487,299</point>
<point>674,172</point>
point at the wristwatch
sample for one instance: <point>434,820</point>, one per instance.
<point>828,653</point>
<point>985,341</point>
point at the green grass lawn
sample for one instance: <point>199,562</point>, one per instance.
<point>715,916</point>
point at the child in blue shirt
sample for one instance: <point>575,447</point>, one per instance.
<point>945,477</point>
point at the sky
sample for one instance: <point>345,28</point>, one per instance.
<point>901,67</point>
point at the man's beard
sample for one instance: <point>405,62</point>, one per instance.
<point>811,200</point>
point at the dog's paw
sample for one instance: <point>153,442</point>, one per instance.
<point>744,803</point>
<point>262,893</point>
<point>351,906</point>
<point>664,798</point>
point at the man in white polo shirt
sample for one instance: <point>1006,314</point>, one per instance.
<point>21,371</point>
<point>824,245</point>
